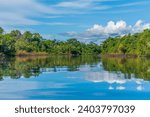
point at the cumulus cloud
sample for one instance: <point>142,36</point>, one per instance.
<point>118,28</point>
<point>99,32</point>
<point>140,26</point>
<point>111,28</point>
<point>29,12</point>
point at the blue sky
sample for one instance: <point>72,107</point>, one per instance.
<point>87,20</point>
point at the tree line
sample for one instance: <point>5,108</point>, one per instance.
<point>16,43</point>
<point>137,44</point>
<point>27,43</point>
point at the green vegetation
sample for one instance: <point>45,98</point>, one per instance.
<point>134,45</point>
<point>16,43</point>
<point>129,67</point>
<point>27,67</point>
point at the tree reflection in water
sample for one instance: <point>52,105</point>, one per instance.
<point>33,66</point>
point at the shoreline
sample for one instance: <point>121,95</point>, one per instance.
<point>41,54</point>
<point>124,56</point>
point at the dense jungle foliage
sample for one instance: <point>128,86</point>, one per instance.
<point>137,44</point>
<point>16,43</point>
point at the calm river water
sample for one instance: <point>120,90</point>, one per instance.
<point>74,78</point>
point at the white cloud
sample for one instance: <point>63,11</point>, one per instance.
<point>7,18</point>
<point>85,6</point>
<point>133,4</point>
<point>74,4</point>
<point>27,12</point>
<point>82,6</point>
<point>118,28</point>
<point>18,12</point>
<point>30,12</point>
<point>138,23</point>
<point>140,26</point>
<point>99,32</point>
<point>111,28</point>
<point>60,24</point>
<point>28,7</point>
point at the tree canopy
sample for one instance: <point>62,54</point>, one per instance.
<point>17,43</point>
<point>137,44</point>
<point>28,43</point>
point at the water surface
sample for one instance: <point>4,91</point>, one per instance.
<point>74,78</point>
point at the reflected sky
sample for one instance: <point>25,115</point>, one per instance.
<point>78,79</point>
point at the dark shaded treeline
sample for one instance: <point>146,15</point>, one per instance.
<point>16,43</point>
<point>33,66</point>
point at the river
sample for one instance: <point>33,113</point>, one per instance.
<point>74,78</point>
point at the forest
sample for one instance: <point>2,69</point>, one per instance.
<point>16,43</point>
<point>27,43</point>
<point>135,45</point>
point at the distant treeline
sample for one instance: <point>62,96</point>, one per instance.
<point>16,43</point>
<point>131,45</point>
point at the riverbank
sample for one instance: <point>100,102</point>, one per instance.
<point>44,54</point>
<point>124,55</point>
<point>31,54</point>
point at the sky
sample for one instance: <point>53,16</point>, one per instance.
<point>86,20</point>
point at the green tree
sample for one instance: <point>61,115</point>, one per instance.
<point>1,30</point>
